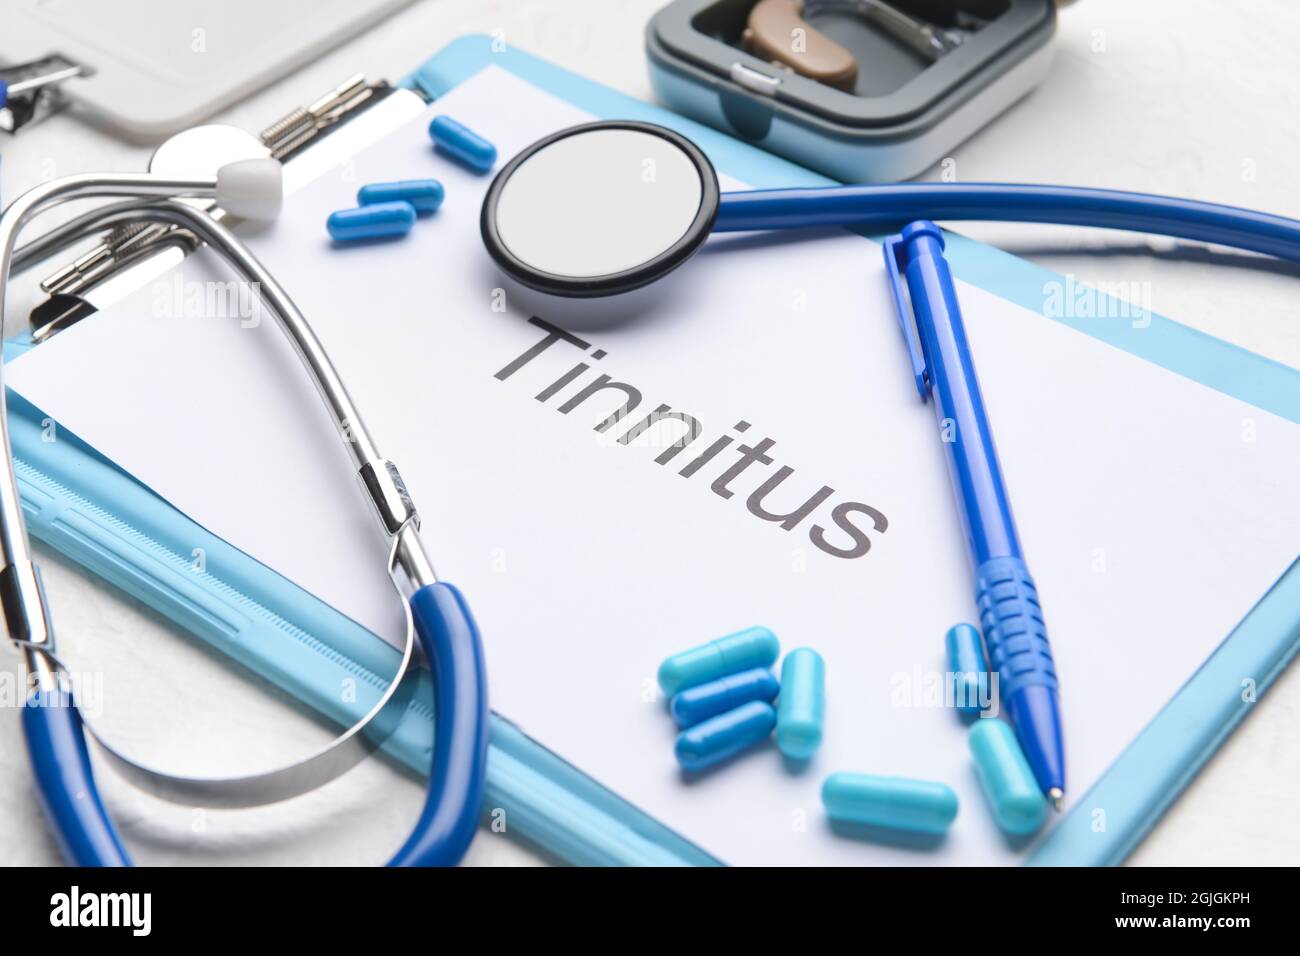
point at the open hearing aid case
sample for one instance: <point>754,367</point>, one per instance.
<point>902,112</point>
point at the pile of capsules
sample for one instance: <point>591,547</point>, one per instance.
<point>721,694</point>
<point>389,210</point>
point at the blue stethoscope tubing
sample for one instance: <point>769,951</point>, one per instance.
<point>458,773</point>
<point>893,204</point>
<point>60,758</point>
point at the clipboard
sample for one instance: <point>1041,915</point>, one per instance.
<point>85,507</point>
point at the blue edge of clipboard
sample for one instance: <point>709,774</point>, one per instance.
<point>83,506</point>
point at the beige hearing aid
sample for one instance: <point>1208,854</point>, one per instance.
<point>777,31</point>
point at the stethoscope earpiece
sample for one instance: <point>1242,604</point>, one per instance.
<point>251,188</point>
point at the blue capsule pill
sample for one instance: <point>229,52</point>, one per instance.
<point>752,647</point>
<point>462,143</point>
<point>970,669</point>
<point>1019,806</point>
<point>726,693</point>
<point>801,710</point>
<point>380,221</point>
<point>896,803</point>
<point>722,737</point>
<point>424,194</point>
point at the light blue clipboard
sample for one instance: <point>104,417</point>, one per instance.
<point>79,503</point>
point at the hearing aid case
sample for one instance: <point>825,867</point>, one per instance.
<point>903,113</point>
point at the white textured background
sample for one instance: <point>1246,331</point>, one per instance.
<point>1193,98</point>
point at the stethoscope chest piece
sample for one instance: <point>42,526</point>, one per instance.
<point>556,218</point>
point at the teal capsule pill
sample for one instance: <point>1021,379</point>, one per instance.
<point>726,693</point>
<point>970,669</point>
<point>381,221</point>
<point>801,711</point>
<point>752,647</point>
<point>896,803</point>
<point>1018,804</point>
<point>425,195</point>
<point>462,143</point>
<point>724,736</point>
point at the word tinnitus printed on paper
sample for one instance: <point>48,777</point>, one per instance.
<point>845,535</point>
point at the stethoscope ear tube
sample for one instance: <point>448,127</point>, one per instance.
<point>56,743</point>
<point>65,780</point>
<point>458,775</point>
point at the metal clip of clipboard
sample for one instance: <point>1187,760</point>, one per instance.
<point>299,138</point>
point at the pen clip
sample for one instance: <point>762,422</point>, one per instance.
<point>905,319</point>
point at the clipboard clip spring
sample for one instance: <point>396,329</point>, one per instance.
<point>303,124</point>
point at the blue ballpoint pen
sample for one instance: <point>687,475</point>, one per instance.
<point>1005,595</point>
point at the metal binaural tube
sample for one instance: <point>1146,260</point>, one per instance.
<point>13,537</point>
<point>378,477</point>
<point>24,604</point>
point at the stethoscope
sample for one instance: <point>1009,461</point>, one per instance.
<point>602,210</point>
<point>55,729</point>
<point>595,212</point>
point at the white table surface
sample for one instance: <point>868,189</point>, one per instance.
<point>1194,98</point>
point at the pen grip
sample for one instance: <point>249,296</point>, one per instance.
<point>1012,621</point>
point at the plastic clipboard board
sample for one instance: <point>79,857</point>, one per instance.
<point>82,505</point>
